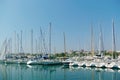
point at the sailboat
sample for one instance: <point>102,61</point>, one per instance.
<point>45,60</point>
<point>3,51</point>
<point>112,63</point>
<point>90,59</point>
<point>74,62</point>
<point>69,61</point>
<point>100,63</point>
<point>33,61</point>
<point>50,61</point>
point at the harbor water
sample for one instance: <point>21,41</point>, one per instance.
<point>40,72</point>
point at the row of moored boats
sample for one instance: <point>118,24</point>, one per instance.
<point>94,63</point>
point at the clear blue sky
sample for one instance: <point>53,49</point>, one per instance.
<point>74,17</point>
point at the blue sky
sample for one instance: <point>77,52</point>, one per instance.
<point>74,17</point>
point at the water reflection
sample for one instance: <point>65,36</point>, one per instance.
<point>23,72</point>
<point>87,73</point>
<point>37,72</point>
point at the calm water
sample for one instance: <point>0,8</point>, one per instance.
<point>37,72</point>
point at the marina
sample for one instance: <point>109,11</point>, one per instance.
<point>95,62</point>
<point>97,66</point>
<point>96,59</point>
<point>59,40</point>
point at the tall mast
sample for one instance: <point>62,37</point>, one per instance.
<point>54,50</point>
<point>92,41</point>
<point>18,43</point>
<point>50,40</point>
<point>101,45</point>
<point>11,45</point>
<point>114,43</point>
<point>40,42</point>
<point>64,43</point>
<point>41,39</point>
<point>79,47</point>
<point>31,41</point>
<point>39,45</point>
<point>21,48</point>
<point>43,43</point>
<point>36,46</point>
<point>8,46</point>
<point>15,42</point>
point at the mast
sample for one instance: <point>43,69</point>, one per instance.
<point>21,48</point>
<point>113,38</point>
<point>79,48</point>
<point>101,45</point>
<point>10,45</point>
<point>3,50</point>
<point>41,39</point>
<point>50,40</point>
<point>43,43</point>
<point>18,43</point>
<point>64,43</point>
<point>15,42</point>
<point>31,41</point>
<point>39,45</point>
<point>54,50</point>
<point>36,46</point>
<point>92,41</point>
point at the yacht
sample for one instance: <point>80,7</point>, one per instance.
<point>75,63</point>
